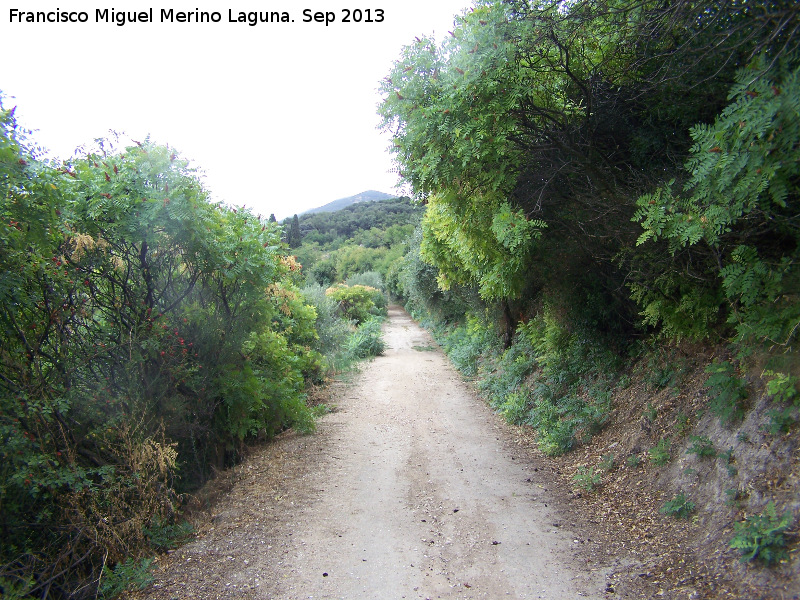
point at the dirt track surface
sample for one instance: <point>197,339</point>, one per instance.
<point>411,488</point>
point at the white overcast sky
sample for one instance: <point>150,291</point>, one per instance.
<point>280,117</point>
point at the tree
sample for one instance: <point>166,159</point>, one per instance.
<point>293,237</point>
<point>534,128</point>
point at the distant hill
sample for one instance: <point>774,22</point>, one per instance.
<point>368,196</point>
<point>332,227</point>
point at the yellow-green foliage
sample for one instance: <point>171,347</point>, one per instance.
<point>358,302</point>
<point>485,243</point>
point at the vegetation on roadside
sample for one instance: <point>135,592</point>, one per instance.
<point>147,335</point>
<point>608,185</point>
<point>762,536</point>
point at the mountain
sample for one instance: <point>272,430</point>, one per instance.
<point>368,196</point>
<point>331,229</point>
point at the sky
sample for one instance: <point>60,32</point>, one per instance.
<point>279,117</point>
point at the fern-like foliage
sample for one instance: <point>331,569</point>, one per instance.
<point>740,201</point>
<point>762,537</point>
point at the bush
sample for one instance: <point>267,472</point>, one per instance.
<point>659,454</point>
<point>587,479</point>
<point>507,369</point>
<point>466,344</point>
<point>702,447</point>
<point>164,535</point>
<point>515,407</point>
<point>733,216</point>
<point>607,463</point>
<point>393,282</point>
<point>340,341</point>
<point>761,537</point>
<point>371,279</point>
<point>367,340</point>
<point>332,329</point>
<point>726,391</point>
<point>126,576</point>
<point>782,389</point>
<point>679,507</point>
<point>358,303</point>
<point>547,378</point>
<point>417,281</point>
<point>324,273</point>
<point>167,331</point>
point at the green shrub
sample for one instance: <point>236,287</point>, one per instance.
<point>556,436</point>
<point>126,577</point>
<point>341,342</point>
<point>16,589</point>
<point>358,303</point>
<point>550,380</point>
<point>163,535</point>
<point>332,329</point>
<point>781,420</point>
<point>507,372</point>
<point>782,388</point>
<point>762,537</point>
<point>729,461</point>
<point>659,454</point>
<point>587,479</point>
<point>298,415</point>
<point>515,407</point>
<point>682,424</point>
<point>734,497</point>
<point>462,349</point>
<point>367,340</point>
<point>466,345</point>
<point>371,279</point>
<point>607,463</point>
<point>679,507</point>
<point>319,410</point>
<point>661,370</point>
<point>726,391</point>
<point>742,177</point>
<point>702,447</point>
<point>324,273</point>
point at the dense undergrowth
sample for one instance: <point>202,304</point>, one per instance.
<point>558,383</point>
<point>664,402</point>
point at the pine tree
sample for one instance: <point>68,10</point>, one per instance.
<point>294,237</point>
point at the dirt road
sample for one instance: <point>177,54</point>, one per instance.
<point>410,489</point>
